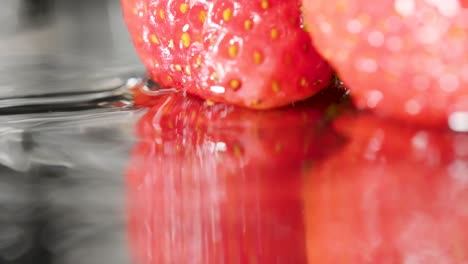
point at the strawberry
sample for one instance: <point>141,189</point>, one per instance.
<point>405,59</point>
<point>392,194</point>
<point>218,184</point>
<point>248,53</point>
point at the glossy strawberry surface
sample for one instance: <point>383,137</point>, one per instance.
<point>392,194</point>
<point>254,54</point>
<point>221,184</point>
<point>404,58</point>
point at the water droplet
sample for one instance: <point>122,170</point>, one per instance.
<point>404,7</point>
<point>458,170</point>
<point>428,35</point>
<point>373,98</point>
<point>376,38</point>
<point>420,140</point>
<point>448,8</point>
<point>325,27</point>
<point>449,82</point>
<point>354,26</point>
<point>366,65</point>
<point>412,107</point>
<point>458,121</point>
<point>375,144</point>
<point>218,89</point>
<point>154,89</point>
<point>218,147</point>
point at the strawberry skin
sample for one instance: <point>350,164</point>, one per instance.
<point>254,54</point>
<point>405,59</point>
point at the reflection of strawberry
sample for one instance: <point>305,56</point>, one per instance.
<point>248,53</point>
<point>408,59</point>
<point>392,195</point>
<point>219,184</point>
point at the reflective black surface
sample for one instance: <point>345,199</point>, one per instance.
<point>61,187</point>
<point>65,131</point>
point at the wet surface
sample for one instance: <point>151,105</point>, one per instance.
<point>61,185</point>
<point>66,131</point>
<point>96,180</point>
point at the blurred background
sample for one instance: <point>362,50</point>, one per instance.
<point>62,45</point>
<point>61,173</point>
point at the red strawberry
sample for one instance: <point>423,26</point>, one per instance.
<point>393,194</point>
<point>404,58</point>
<point>220,184</point>
<point>248,53</point>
